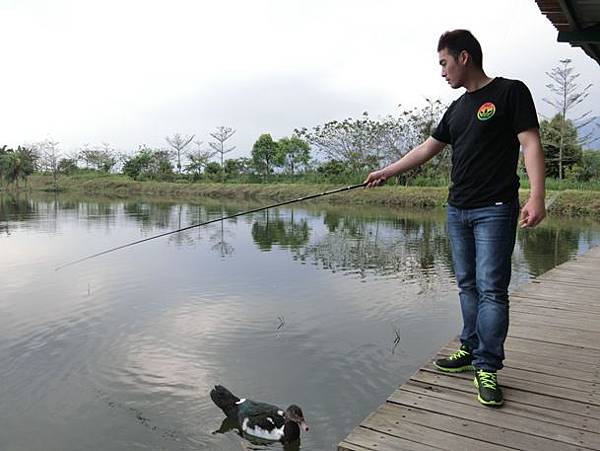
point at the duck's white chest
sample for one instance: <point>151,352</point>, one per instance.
<point>257,431</point>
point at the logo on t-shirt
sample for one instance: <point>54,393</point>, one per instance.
<point>486,111</point>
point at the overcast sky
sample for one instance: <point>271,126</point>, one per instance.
<point>129,72</point>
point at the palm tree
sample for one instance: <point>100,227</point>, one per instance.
<point>17,164</point>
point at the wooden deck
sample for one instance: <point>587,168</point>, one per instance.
<point>551,380</point>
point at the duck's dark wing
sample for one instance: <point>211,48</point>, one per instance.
<point>261,420</point>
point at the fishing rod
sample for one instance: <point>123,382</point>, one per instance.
<point>254,210</point>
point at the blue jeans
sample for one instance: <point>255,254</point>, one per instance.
<point>482,241</point>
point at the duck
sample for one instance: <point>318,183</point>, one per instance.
<point>259,419</point>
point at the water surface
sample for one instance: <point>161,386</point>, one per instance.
<point>326,307</point>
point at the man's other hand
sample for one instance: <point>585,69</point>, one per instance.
<point>533,212</point>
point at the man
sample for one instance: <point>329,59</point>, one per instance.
<point>485,127</point>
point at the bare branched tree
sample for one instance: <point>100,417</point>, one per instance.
<point>179,142</point>
<point>49,156</point>
<point>198,158</point>
<point>100,158</point>
<point>221,135</point>
<point>567,96</point>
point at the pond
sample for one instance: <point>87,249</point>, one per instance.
<point>323,306</point>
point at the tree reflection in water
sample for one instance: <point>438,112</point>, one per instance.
<point>275,227</point>
<point>404,244</point>
<point>551,243</point>
<point>356,241</point>
<point>361,243</point>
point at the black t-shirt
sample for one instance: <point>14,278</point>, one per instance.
<point>482,127</point>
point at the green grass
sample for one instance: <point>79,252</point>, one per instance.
<point>562,185</point>
<point>568,202</point>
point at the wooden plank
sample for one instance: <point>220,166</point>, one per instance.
<point>534,387</point>
<point>545,306</point>
<point>552,301</point>
<point>562,418</point>
<point>544,378</point>
<point>362,438</point>
<point>543,311</point>
<point>559,293</point>
<point>572,265</point>
<point>511,394</point>
<point>553,308</point>
<point>567,279</point>
<point>551,379</point>
<point>345,446</point>
<point>567,352</point>
<point>429,428</point>
<point>568,320</point>
<point>563,281</point>
<point>557,335</point>
<point>571,272</point>
<point>545,303</point>
<point>492,425</point>
<point>555,326</point>
<point>582,371</point>
<point>593,251</point>
<point>586,258</point>
<point>555,297</point>
<point>558,297</point>
<point>552,349</point>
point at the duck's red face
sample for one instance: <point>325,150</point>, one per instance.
<point>294,413</point>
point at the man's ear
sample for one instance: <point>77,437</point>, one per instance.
<point>464,57</point>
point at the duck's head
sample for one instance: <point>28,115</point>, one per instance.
<point>294,413</point>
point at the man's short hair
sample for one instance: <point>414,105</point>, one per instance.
<point>456,41</point>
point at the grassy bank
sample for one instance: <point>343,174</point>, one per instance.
<point>566,202</point>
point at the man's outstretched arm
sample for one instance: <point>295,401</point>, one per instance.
<point>416,157</point>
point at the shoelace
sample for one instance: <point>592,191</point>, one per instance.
<point>487,379</point>
<point>458,354</point>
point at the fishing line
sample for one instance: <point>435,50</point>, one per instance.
<point>254,210</point>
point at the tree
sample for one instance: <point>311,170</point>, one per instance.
<point>233,167</point>
<point>179,142</point>
<point>49,156</point>
<point>295,152</point>
<point>332,169</point>
<point>198,160</point>
<point>3,154</point>
<point>591,165</point>
<point>355,142</point>
<point>246,166</point>
<point>148,163</point>
<point>17,164</point>
<point>197,164</point>
<point>100,158</point>
<point>561,147</point>
<point>67,166</point>
<point>221,135</point>
<point>363,144</point>
<point>266,154</point>
<point>107,157</point>
<point>214,171</point>
<point>568,96</point>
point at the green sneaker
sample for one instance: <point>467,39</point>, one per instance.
<point>489,394</point>
<point>458,361</point>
